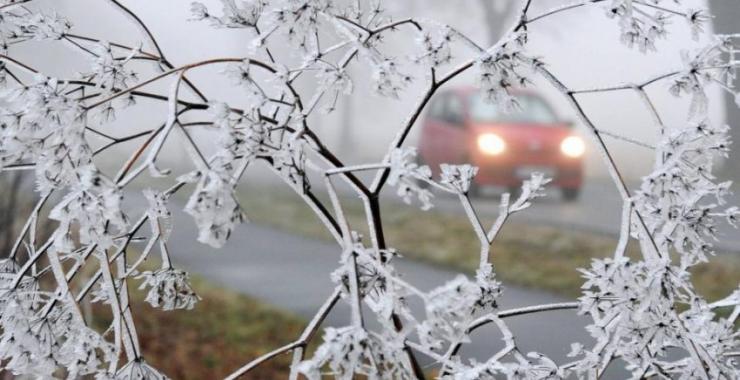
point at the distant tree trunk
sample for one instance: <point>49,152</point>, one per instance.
<point>346,128</point>
<point>8,210</point>
<point>495,13</point>
<point>726,16</point>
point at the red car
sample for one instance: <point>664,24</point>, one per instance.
<point>461,127</point>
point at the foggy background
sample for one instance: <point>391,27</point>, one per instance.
<point>580,46</point>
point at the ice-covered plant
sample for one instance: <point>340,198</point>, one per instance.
<point>644,312</point>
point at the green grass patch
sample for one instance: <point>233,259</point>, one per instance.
<point>534,256</point>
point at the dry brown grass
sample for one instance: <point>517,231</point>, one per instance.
<point>223,332</point>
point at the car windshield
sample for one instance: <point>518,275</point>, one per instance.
<point>532,109</point>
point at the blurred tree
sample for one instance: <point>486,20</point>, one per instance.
<point>726,16</point>
<point>10,188</point>
<point>17,198</point>
<point>495,13</point>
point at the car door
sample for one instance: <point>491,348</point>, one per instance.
<point>448,132</point>
<point>432,136</point>
<point>456,139</point>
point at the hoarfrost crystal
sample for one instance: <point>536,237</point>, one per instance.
<point>304,56</point>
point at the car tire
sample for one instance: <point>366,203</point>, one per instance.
<point>514,192</point>
<point>474,190</point>
<point>571,195</point>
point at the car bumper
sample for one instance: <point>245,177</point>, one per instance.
<point>567,175</point>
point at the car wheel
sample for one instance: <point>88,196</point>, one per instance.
<point>571,195</point>
<point>474,190</point>
<point>513,192</point>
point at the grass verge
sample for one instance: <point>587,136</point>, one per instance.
<point>223,332</point>
<point>538,257</point>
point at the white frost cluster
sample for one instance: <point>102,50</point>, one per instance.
<point>138,369</point>
<point>644,312</point>
<point>21,24</point>
<point>169,289</point>
<point>406,175</point>
<point>351,351</point>
<point>635,319</point>
<point>234,14</point>
<point>375,279</point>
<point>642,26</point>
<point>458,177</point>
<point>453,307</point>
<point>214,207</point>
<point>38,339</point>
<point>94,206</point>
<point>39,122</point>
<point>647,312</point>
<point>436,47</point>
<point>504,67</point>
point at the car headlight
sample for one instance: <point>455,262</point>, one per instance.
<point>491,144</point>
<point>573,146</point>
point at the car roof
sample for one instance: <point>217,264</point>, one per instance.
<point>468,90</point>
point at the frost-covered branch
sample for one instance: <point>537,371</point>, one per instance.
<point>639,308</point>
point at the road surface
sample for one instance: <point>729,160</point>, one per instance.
<point>292,273</point>
<point>598,209</point>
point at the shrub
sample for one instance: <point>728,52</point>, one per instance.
<point>645,313</point>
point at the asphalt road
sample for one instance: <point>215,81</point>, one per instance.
<point>598,209</point>
<point>292,273</point>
